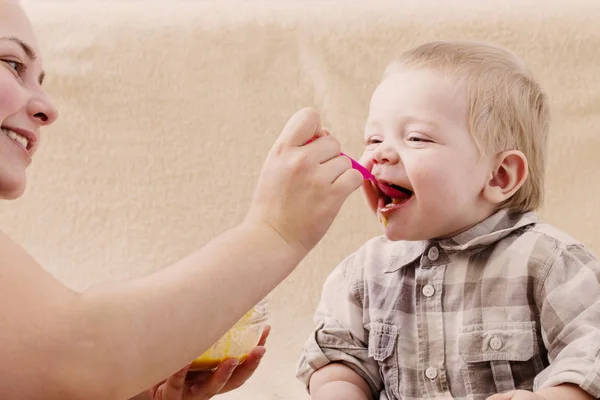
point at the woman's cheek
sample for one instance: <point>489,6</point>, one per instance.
<point>11,94</point>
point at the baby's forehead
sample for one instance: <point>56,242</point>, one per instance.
<point>419,92</point>
<point>428,80</point>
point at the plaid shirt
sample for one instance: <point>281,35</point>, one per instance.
<point>509,304</point>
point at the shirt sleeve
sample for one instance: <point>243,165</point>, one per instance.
<point>340,335</point>
<point>570,320</point>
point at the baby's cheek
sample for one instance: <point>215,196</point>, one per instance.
<point>366,161</point>
<point>370,195</point>
<point>440,185</point>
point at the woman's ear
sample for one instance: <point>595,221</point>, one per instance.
<point>509,173</point>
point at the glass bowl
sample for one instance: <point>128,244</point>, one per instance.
<point>237,342</point>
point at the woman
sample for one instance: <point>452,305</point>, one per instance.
<point>111,342</point>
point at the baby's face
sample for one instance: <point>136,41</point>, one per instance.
<point>416,137</point>
<point>24,107</point>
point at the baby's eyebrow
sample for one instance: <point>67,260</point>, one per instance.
<point>372,124</point>
<point>424,120</point>
<point>375,124</point>
<point>28,51</point>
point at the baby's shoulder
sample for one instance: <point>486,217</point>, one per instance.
<point>548,243</point>
<point>553,236</point>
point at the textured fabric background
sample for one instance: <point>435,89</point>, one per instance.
<point>168,109</point>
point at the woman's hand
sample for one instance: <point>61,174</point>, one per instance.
<point>185,385</point>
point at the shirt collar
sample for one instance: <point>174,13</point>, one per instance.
<point>485,233</point>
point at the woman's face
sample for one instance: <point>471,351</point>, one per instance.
<point>24,107</point>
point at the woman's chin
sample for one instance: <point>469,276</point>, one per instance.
<point>11,189</point>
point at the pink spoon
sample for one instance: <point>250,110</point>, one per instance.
<point>387,189</point>
<point>367,175</point>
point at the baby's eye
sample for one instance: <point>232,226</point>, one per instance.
<point>372,141</point>
<point>418,139</point>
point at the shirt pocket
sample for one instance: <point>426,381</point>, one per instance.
<point>383,348</point>
<point>498,357</point>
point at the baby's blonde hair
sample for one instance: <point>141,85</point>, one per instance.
<point>507,108</point>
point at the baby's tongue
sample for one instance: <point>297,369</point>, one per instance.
<point>393,192</point>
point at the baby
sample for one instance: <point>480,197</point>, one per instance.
<point>466,295</point>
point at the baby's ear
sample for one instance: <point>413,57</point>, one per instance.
<point>508,175</point>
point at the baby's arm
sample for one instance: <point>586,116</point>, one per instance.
<point>565,391</point>
<point>569,305</point>
<point>338,382</point>
<point>559,392</point>
<point>335,363</point>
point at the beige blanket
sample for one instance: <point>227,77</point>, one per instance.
<point>169,108</point>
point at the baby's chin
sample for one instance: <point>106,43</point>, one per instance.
<point>396,234</point>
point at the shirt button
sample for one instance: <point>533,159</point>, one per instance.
<point>433,253</point>
<point>428,290</point>
<point>431,373</point>
<point>496,343</point>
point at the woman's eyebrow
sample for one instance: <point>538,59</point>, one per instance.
<point>26,48</point>
<point>28,51</point>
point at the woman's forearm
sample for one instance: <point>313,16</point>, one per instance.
<point>131,324</point>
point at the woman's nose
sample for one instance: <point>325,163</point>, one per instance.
<point>42,110</point>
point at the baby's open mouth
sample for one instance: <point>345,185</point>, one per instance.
<point>388,203</point>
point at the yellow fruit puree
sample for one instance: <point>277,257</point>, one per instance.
<point>236,343</point>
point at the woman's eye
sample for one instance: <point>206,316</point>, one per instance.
<point>17,66</point>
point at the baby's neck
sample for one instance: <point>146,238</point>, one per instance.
<point>470,223</point>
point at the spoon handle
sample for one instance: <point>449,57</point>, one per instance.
<point>365,172</point>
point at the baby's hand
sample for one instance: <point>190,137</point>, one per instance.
<point>517,395</point>
<point>184,385</point>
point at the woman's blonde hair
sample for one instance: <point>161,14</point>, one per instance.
<point>508,110</point>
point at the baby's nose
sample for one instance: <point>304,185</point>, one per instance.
<point>385,155</point>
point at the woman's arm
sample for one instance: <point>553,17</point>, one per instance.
<point>115,341</point>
